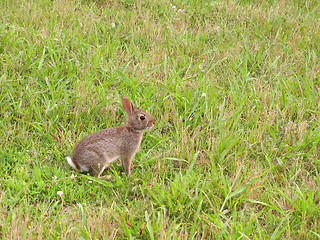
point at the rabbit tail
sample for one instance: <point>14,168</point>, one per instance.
<point>72,164</point>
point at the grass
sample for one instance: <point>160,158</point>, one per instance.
<point>233,86</point>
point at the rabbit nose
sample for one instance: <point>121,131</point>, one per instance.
<point>152,123</point>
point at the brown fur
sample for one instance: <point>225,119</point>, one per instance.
<point>95,151</point>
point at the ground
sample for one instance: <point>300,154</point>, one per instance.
<point>233,86</point>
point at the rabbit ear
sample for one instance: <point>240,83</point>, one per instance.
<point>127,105</point>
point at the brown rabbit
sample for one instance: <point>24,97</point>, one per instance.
<point>94,152</point>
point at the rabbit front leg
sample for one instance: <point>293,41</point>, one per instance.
<point>126,163</point>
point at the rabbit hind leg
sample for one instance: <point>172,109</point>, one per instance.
<point>98,170</point>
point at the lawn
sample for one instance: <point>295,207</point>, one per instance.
<point>233,87</point>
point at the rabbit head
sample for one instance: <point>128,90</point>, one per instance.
<point>137,119</point>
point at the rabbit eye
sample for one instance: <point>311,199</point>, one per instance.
<point>142,117</point>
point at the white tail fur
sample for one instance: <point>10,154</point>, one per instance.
<point>71,163</point>
<point>82,168</point>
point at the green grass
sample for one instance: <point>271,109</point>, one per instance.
<point>233,86</point>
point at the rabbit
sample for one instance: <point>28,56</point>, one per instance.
<point>95,151</point>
